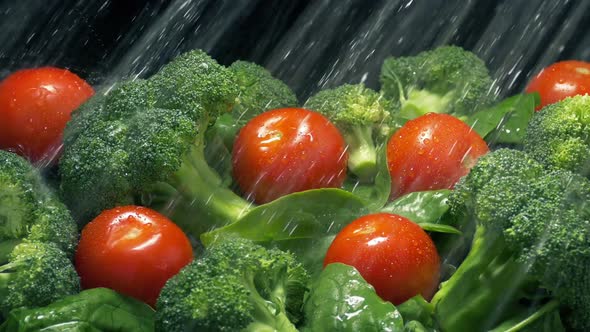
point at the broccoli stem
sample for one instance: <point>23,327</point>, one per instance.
<point>420,102</point>
<point>484,285</point>
<point>362,154</point>
<point>545,309</point>
<point>194,196</point>
<point>268,315</point>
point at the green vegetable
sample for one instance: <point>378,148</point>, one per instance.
<point>341,300</point>
<point>236,286</point>
<point>557,136</point>
<point>306,214</point>
<point>29,211</point>
<point>142,142</point>
<point>426,208</point>
<point>35,275</point>
<point>93,310</point>
<point>524,217</point>
<point>447,79</point>
<point>505,122</point>
<point>363,117</point>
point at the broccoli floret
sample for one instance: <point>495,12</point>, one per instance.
<point>531,237</point>
<point>236,286</point>
<point>259,91</point>
<point>142,142</point>
<point>363,117</point>
<point>447,79</point>
<point>29,210</point>
<point>557,136</point>
<point>36,274</point>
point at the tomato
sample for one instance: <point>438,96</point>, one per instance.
<point>392,253</point>
<point>288,150</point>
<point>560,80</point>
<point>133,250</point>
<point>432,152</point>
<point>35,105</point>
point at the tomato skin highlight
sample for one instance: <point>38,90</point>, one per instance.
<point>432,152</point>
<point>133,250</point>
<point>288,150</point>
<point>35,105</point>
<point>392,253</point>
<point>560,80</point>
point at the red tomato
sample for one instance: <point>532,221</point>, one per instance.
<point>560,80</point>
<point>432,152</point>
<point>392,253</point>
<point>35,105</point>
<point>133,250</point>
<point>288,150</point>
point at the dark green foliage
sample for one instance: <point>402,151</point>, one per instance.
<point>96,309</point>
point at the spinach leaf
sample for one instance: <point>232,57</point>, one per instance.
<point>426,208</point>
<point>97,309</point>
<point>506,122</point>
<point>306,214</point>
<point>341,300</point>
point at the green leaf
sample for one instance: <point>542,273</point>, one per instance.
<point>374,194</point>
<point>417,309</point>
<point>97,309</point>
<point>305,214</point>
<point>422,207</point>
<point>439,228</point>
<point>341,300</point>
<point>506,122</point>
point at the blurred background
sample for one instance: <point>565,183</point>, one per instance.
<point>308,44</point>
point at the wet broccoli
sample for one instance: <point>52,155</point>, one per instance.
<point>29,210</point>
<point>447,79</point>
<point>557,136</point>
<point>363,117</point>
<point>524,219</point>
<point>236,286</point>
<point>35,275</point>
<point>142,142</point>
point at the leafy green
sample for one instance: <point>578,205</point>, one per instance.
<point>304,214</point>
<point>93,310</point>
<point>505,122</point>
<point>341,300</point>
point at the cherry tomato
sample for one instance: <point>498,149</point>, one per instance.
<point>392,254</point>
<point>432,152</point>
<point>133,250</point>
<point>35,105</point>
<point>560,80</point>
<point>288,150</point>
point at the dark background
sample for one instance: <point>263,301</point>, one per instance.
<point>308,44</point>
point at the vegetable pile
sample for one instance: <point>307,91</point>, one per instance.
<point>209,198</point>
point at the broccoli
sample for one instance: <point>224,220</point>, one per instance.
<point>557,135</point>
<point>142,142</point>
<point>363,117</point>
<point>35,275</point>
<point>259,91</point>
<point>447,79</point>
<point>235,286</point>
<point>530,245</point>
<point>29,210</point>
